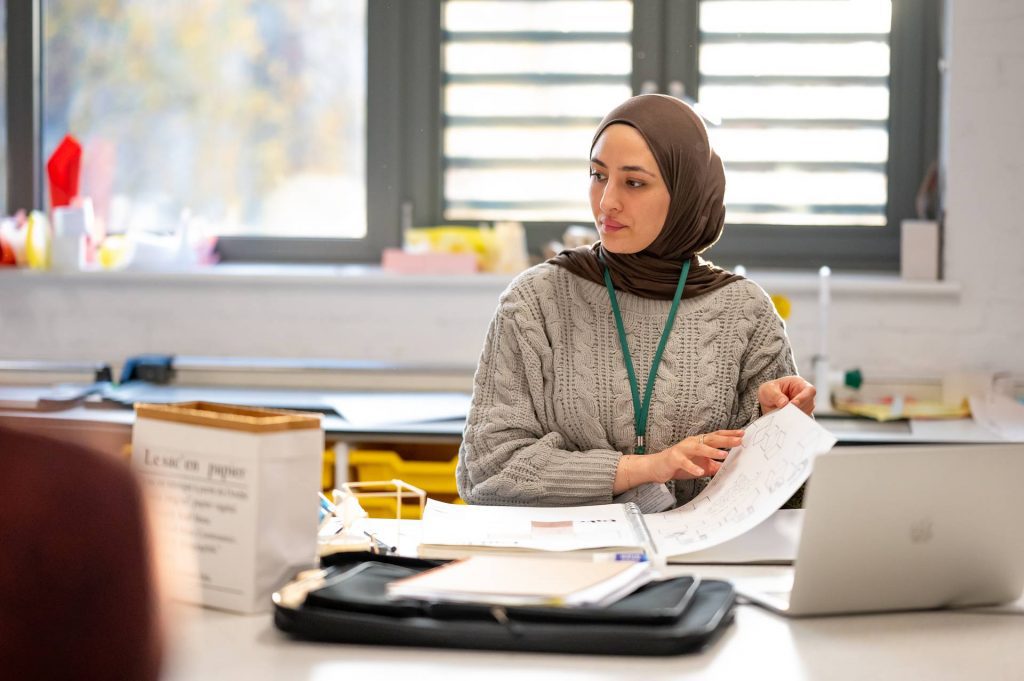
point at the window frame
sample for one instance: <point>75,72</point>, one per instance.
<point>387,61</point>
<point>23,87</point>
<point>913,145</point>
<point>389,28</point>
<point>405,164</point>
<point>667,59</point>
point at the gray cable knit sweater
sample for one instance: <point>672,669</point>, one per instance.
<point>552,410</point>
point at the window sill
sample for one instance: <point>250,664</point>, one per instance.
<point>256,274</point>
<point>774,281</point>
<point>794,282</point>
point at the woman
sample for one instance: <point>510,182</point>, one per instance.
<point>566,408</point>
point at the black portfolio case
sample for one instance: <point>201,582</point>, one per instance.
<point>349,605</point>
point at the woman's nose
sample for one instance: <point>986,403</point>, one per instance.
<point>610,199</point>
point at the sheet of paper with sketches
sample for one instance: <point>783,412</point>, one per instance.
<point>570,528</point>
<point>755,480</point>
<point>773,542</point>
<point>1000,414</point>
<point>375,409</point>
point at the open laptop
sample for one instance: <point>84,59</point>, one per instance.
<point>906,528</point>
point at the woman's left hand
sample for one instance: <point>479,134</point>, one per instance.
<point>778,393</point>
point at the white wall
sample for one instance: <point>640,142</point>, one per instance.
<point>985,182</point>
<point>975,322</point>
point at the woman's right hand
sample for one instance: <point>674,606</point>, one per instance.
<point>696,456</point>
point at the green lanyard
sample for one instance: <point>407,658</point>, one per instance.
<point>640,410</point>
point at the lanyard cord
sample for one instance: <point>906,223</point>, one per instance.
<point>640,410</point>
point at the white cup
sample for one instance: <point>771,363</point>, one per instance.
<point>71,224</point>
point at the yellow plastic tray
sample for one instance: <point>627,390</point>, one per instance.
<point>385,508</point>
<point>433,477</point>
<point>327,471</point>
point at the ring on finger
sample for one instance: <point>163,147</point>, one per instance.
<point>701,439</point>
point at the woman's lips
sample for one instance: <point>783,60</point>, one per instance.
<point>609,225</point>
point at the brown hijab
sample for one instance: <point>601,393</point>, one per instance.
<point>695,178</point>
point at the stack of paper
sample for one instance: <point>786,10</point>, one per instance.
<point>525,581</point>
<point>457,531</point>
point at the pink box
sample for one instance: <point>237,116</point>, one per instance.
<point>397,260</point>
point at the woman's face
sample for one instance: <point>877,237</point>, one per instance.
<point>628,196</point>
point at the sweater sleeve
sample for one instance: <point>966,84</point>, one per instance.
<point>767,356</point>
<point>510,454</point>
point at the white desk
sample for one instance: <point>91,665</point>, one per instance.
<point>758,645</point>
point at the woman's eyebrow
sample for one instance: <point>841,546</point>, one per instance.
<point>628,169</point>
<point>637,169</point>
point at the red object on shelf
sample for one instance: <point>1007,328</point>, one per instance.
<point>7,256</point>
<point>63,170</point>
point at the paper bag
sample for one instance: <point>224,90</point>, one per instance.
<point>233,491</point>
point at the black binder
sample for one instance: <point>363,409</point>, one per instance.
<point>349,605</point>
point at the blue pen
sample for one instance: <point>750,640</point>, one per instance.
<point>636,557</point>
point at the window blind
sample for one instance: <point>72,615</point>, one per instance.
<point>525,84</point>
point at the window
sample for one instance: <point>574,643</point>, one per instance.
<point>250,114</point>
<point>825,128</point>
<point>316,130</point>
<point>522,96</point>
<point>800,92</point>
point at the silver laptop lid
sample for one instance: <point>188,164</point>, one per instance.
<point>911,527</point>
